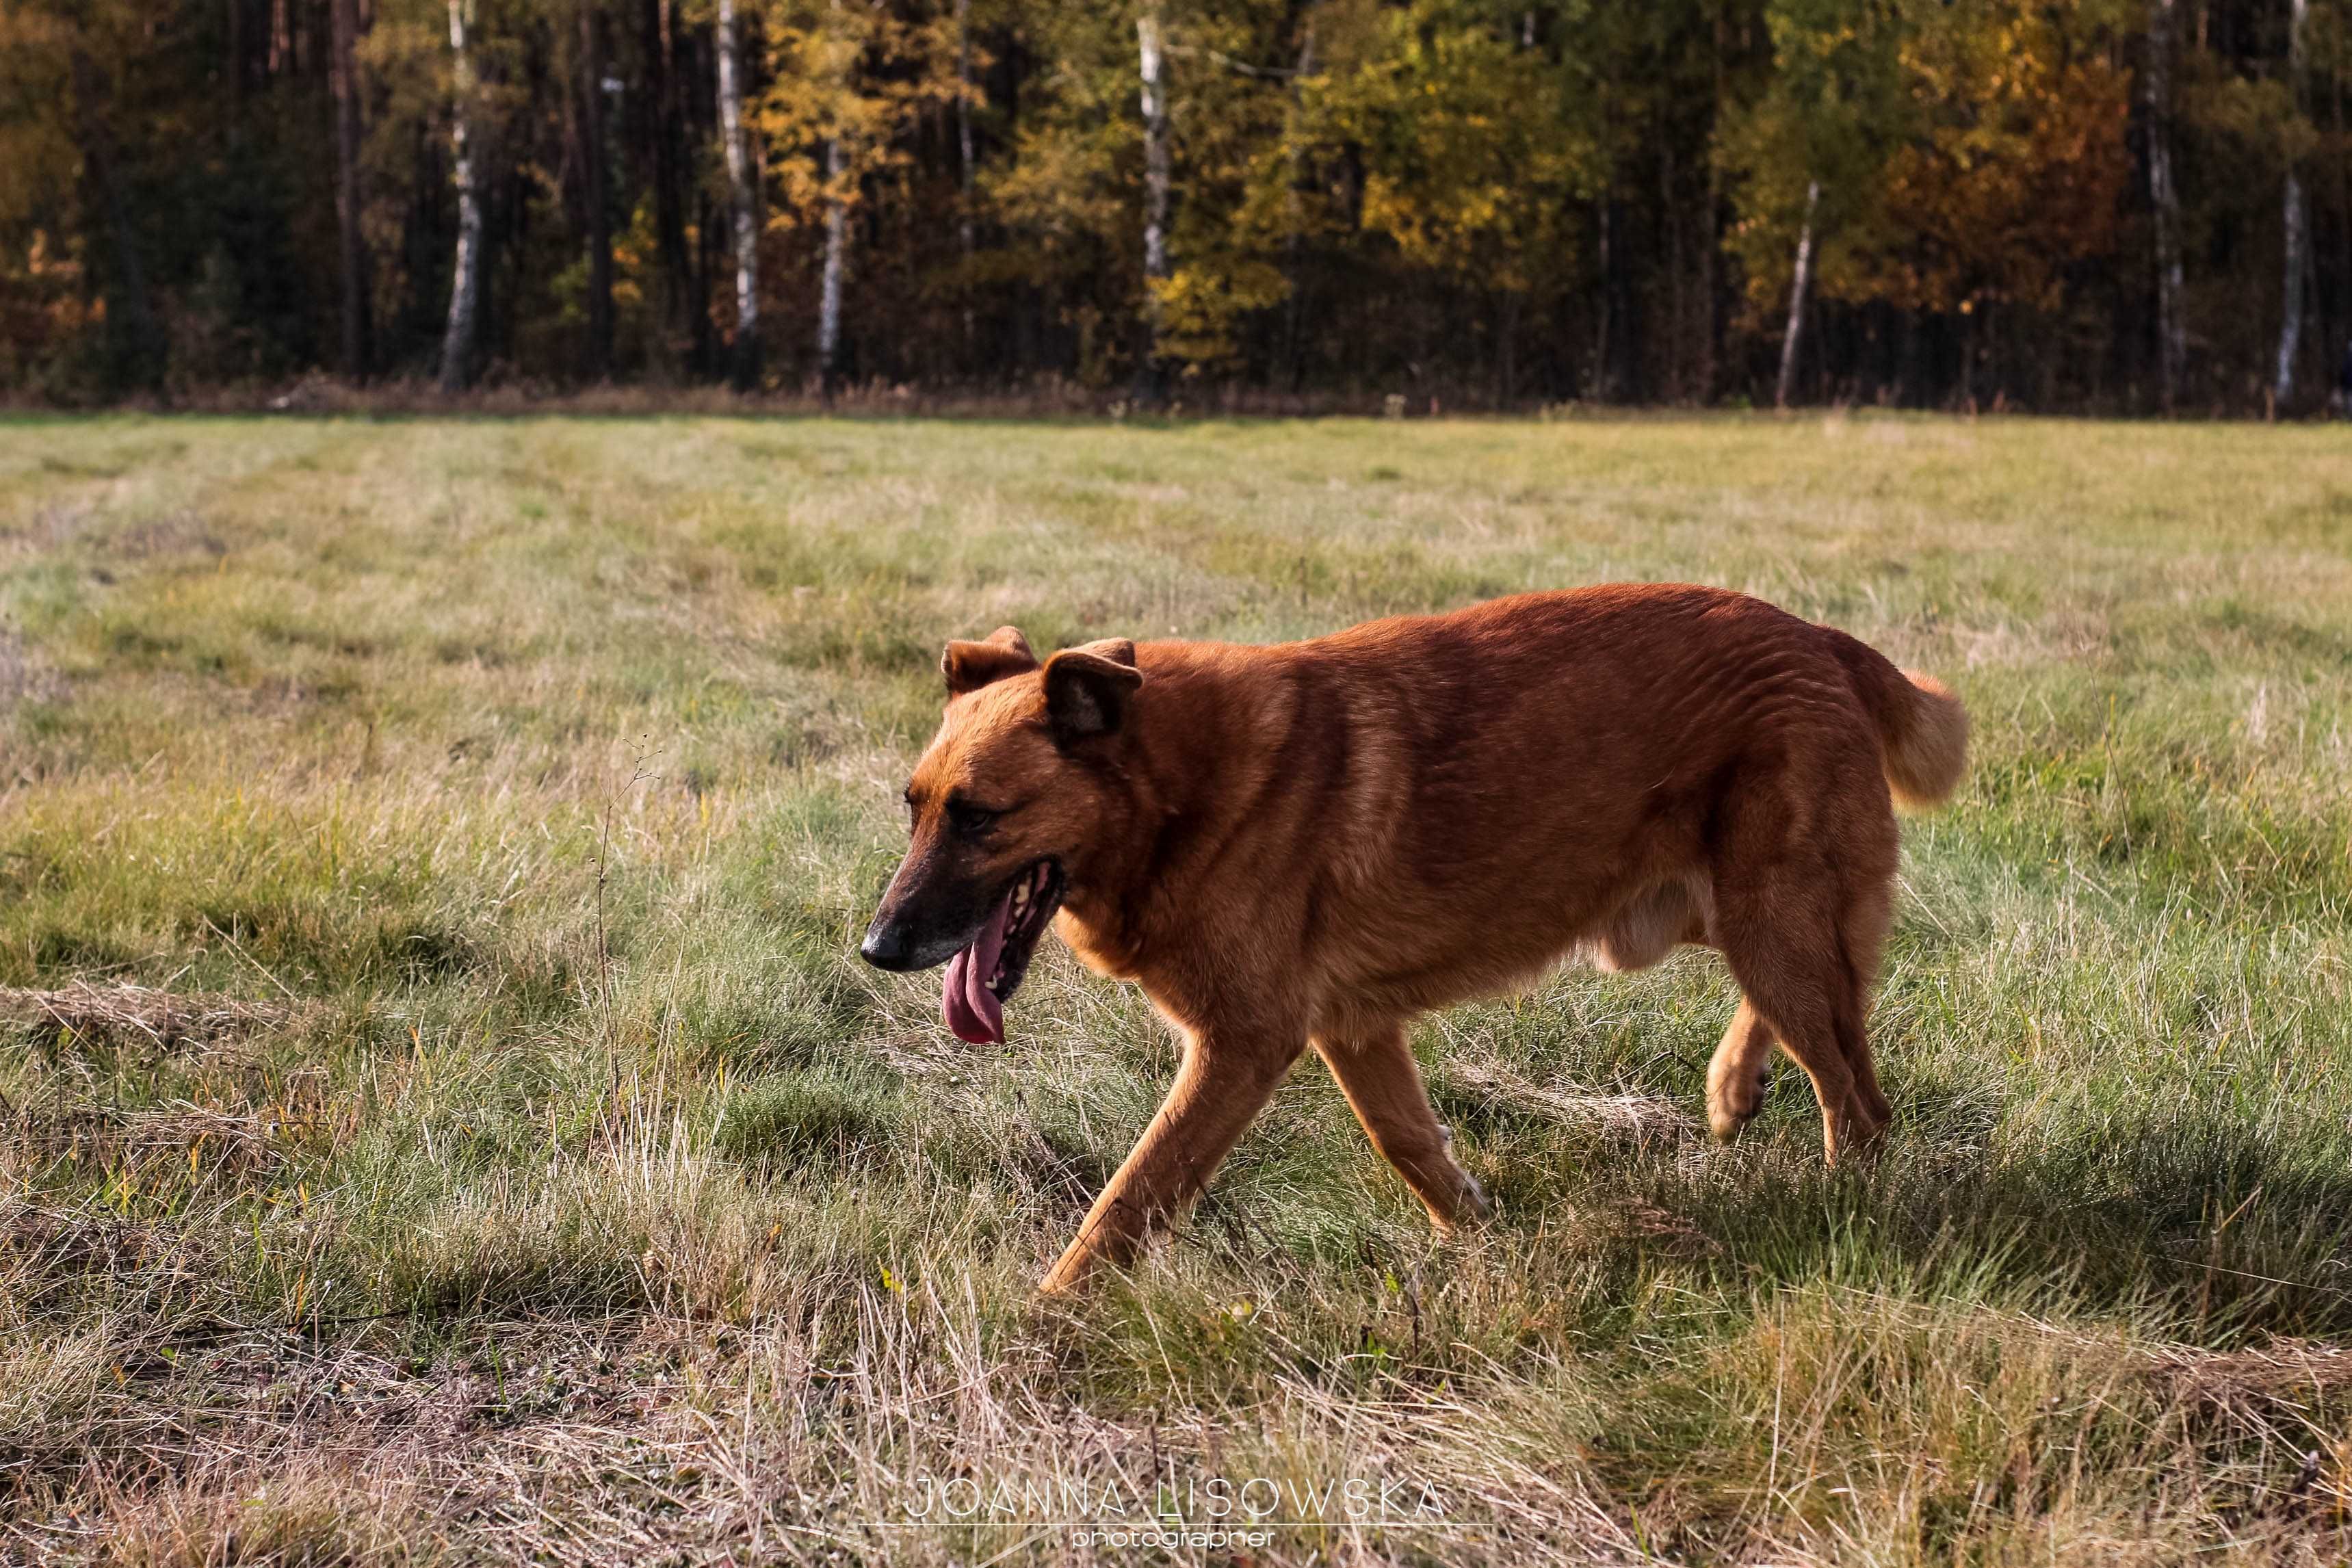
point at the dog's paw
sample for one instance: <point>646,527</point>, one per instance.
<point>1476,1204</point>
<point>1471,1204</point>
<point>1733,1101</point>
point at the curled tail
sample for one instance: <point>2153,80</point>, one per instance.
<point>1923,731</point>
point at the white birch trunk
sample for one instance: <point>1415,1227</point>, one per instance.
<point>837,264</point>
<point>1800,286</point>
<point>1150,60</point>
<point>2164,200</point>
<point>741,198</point>
<point>465,275</point>
<point>2296,220</point>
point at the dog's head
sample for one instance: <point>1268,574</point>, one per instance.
<point>1003,805</point>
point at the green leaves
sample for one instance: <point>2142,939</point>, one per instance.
<point>1474,150</point>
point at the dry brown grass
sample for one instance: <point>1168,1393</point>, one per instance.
<point>120,1014</point>
<point>365,1198</point>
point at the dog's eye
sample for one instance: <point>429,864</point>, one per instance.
<point>968,819</point>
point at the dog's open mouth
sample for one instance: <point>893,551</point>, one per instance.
<point>982,977</point>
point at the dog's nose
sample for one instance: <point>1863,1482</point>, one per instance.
<point>887,947</point>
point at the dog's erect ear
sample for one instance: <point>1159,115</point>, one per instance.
<point>1087,690</point>
<point>968,666</point>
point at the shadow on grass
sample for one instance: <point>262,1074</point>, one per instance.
<point>2188,1224</point>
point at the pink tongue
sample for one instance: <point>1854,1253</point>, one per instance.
<point>971,1008</point>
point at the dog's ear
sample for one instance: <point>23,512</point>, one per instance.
<point>968,666</point>
<point>1087,690</point>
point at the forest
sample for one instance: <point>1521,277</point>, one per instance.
<point>2112,207</point>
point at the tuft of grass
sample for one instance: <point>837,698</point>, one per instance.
<point>446,1120</point>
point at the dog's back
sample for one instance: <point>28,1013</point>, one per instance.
<point>1444,805</point>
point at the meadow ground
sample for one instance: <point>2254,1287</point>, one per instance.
<point>446,1120</point>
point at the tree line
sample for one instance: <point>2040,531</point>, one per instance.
<point>2124,205</point>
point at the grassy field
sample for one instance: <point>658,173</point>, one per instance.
<point>446,1120</point>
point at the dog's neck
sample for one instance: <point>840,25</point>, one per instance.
<point>1175,815</point>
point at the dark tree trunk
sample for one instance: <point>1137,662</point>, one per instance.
<point>2163,202</point>
<point>679,302</point>
<point>1506,341</point>
<point>1608,260</point>
<point>1291,344</point>
<point>235,54</point>
<point>135,343</point>
<point>596,194</point>
<point>1670,218</point>
<point>1711,274</point>
<point>350,200</point>
<point>965,171</point>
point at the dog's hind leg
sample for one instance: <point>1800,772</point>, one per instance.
<point>1785,948</point>
<point>1375,1069</point>
<point>1862,927</point>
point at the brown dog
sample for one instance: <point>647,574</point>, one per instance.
<point>1314,842</point>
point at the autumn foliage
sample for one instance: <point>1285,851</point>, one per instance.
<point>1486,204</point>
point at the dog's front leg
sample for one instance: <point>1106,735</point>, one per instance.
<point>1224,1079</point>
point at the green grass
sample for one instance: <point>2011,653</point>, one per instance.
<point>567,1189</point>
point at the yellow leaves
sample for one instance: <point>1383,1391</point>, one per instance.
<point>1200,303</point>
<point>1474,146</point>
<point>2022,163</point>
<point>1994,157</point>
<point>853,77</point>
<point>1063,184</point>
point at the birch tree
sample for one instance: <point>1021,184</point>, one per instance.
<point>839,64</point>
<point>836,263</point>
<point>465,275</point>
<point>742,199</point>
<point>1991,196</point>
<point>1801,283</point>
<point>1158,175</point>
<point>2296,216</point>
<point>847,84</point>
<point>1811,153</point>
